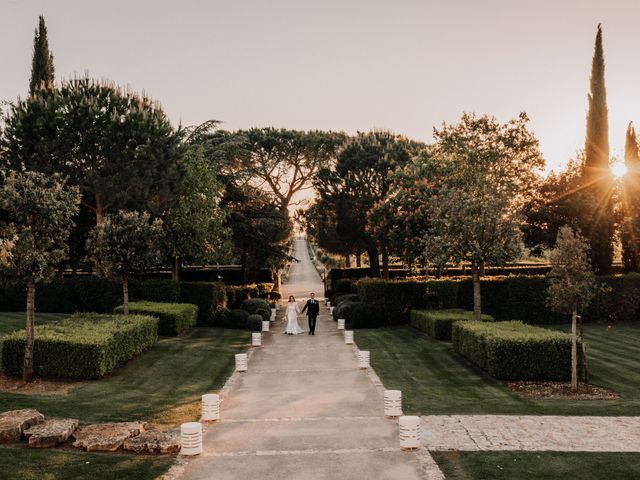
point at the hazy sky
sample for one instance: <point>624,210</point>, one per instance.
<point>350,65</point>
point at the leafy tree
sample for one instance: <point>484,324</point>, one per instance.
<point>283,162</point>
<point>599,227</point>
<point>194,225</point>
<point>42,70</point>
<point>359,180</point>
<point>487,169</point>
<point>572,284</point>
<point>630,234</point>
<point>126,244</point>
<point>118,147</point>
<point>38,211</point>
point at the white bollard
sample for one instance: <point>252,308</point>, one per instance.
<point>210,407</point>
<point>241,362</point>
<point>191,438</point>
<point>256,339</point>
<point>331,310</point>
<point>273,314</point>
<point>348,337</point>
<point>328,304</point>
<point>341,323</point>
<point>392,403</point>
<point>363,359</point>
<point>265,326</point>
<point>409,432</point>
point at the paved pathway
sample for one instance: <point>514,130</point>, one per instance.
<point>304,410</point>
<point>533,433</point>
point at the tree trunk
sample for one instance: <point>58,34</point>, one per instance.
<point>574,351</point>
<point>27,373</point>
<point>347,260</point>
<point>477,301</point>
<point>358,260</point>
<point>277,280</point>
<point>585,362</point>
<point>99,210</point>
<point>125,294</point>
<point>175,274</point>
<point>385,263</point>
<point>374,262</point>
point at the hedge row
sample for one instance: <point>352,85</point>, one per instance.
<point>514,351</point>
<point>504,298</point>
<point>438,323</point>
<point>173,318</point>
<point>236,294</point>
<point>85,346</point>
<point>240,319</point>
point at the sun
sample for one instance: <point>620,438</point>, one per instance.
<point>618,169</point>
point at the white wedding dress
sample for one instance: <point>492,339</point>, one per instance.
<point>292,319</point>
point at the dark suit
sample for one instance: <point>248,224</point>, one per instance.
<point>313,308</point>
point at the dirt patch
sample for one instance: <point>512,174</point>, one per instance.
<point>36,387</point>
<point>561,390</point>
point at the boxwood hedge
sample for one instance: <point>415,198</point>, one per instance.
<point>173,318</point>
<point>438,323</point>
<point>514,351</point>
<point>84,346</point>
<point>210,297</point>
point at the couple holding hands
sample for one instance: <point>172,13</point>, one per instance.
<point>312,307</point>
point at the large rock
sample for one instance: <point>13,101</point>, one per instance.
<point>154,441</point>
<point>106,437</point>
<point>51,432</point>
<point>13,423</point>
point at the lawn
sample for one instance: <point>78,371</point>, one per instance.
<point>435,380</point>
<point>163,385</point>
<point>12,321</point>
<point>538,465</point>
<point>25,464</point>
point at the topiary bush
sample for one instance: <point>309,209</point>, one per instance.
<point>264,314</point>
<point>254,304</point>
<point>160,290</point>
<point>438,323</point>
<point>210,297</point>
<point>514,351</point>
<point>85,346</point>
<point>173,318</point>
<point>343,285</point>
<point>359,315</point>
<point>254,322</point>
<point>237,318</point>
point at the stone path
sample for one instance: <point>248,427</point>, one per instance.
<point>532,433</point>
<point>304,410</point>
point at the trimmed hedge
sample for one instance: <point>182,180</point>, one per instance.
<point>504,298</point>
<point>160,290</point>
<point>173,318</point>
<point>210,297</point>
<point>236,318</point>
<point>254,322</point>
<point>514,351</point>
<point>85,346</point>
<point>252,305</point>
<point>359,315</point>
<point>438,323</point>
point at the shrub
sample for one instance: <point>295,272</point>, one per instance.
<point>347,297</point>
<point>173,318</point>
<point>160,290</point>
<point>264,314</point>
<point>254,304</point>
<point>264,289</point>
<point>254,323</point>
<point>514,351</point>
<point>395,299</point>
<point>438,323</point>
<point>210,297</point>
<point>236,318</point>
<point>236,294</point>
<point>84,346</point>
<point>343,285</point>
<point>359,315</point>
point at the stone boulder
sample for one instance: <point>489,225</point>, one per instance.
<point>154,441</point>
<point>13,423</point>
<point>106,437</point>
<point>51,432</point>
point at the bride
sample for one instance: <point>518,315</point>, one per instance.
<point>292,318</point>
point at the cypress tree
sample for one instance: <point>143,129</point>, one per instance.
<point>42,71</point>
<point>599,225</point>
<point>631,208</point>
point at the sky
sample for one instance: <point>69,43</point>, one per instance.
<point>345,65</point>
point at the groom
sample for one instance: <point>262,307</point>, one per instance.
<point>313,308</point>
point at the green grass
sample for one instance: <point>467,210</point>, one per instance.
<point>162,385</point>
<point>12,321</point>
<point>25,464</point>
<point>538,465</point>
<point>435,380</point>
